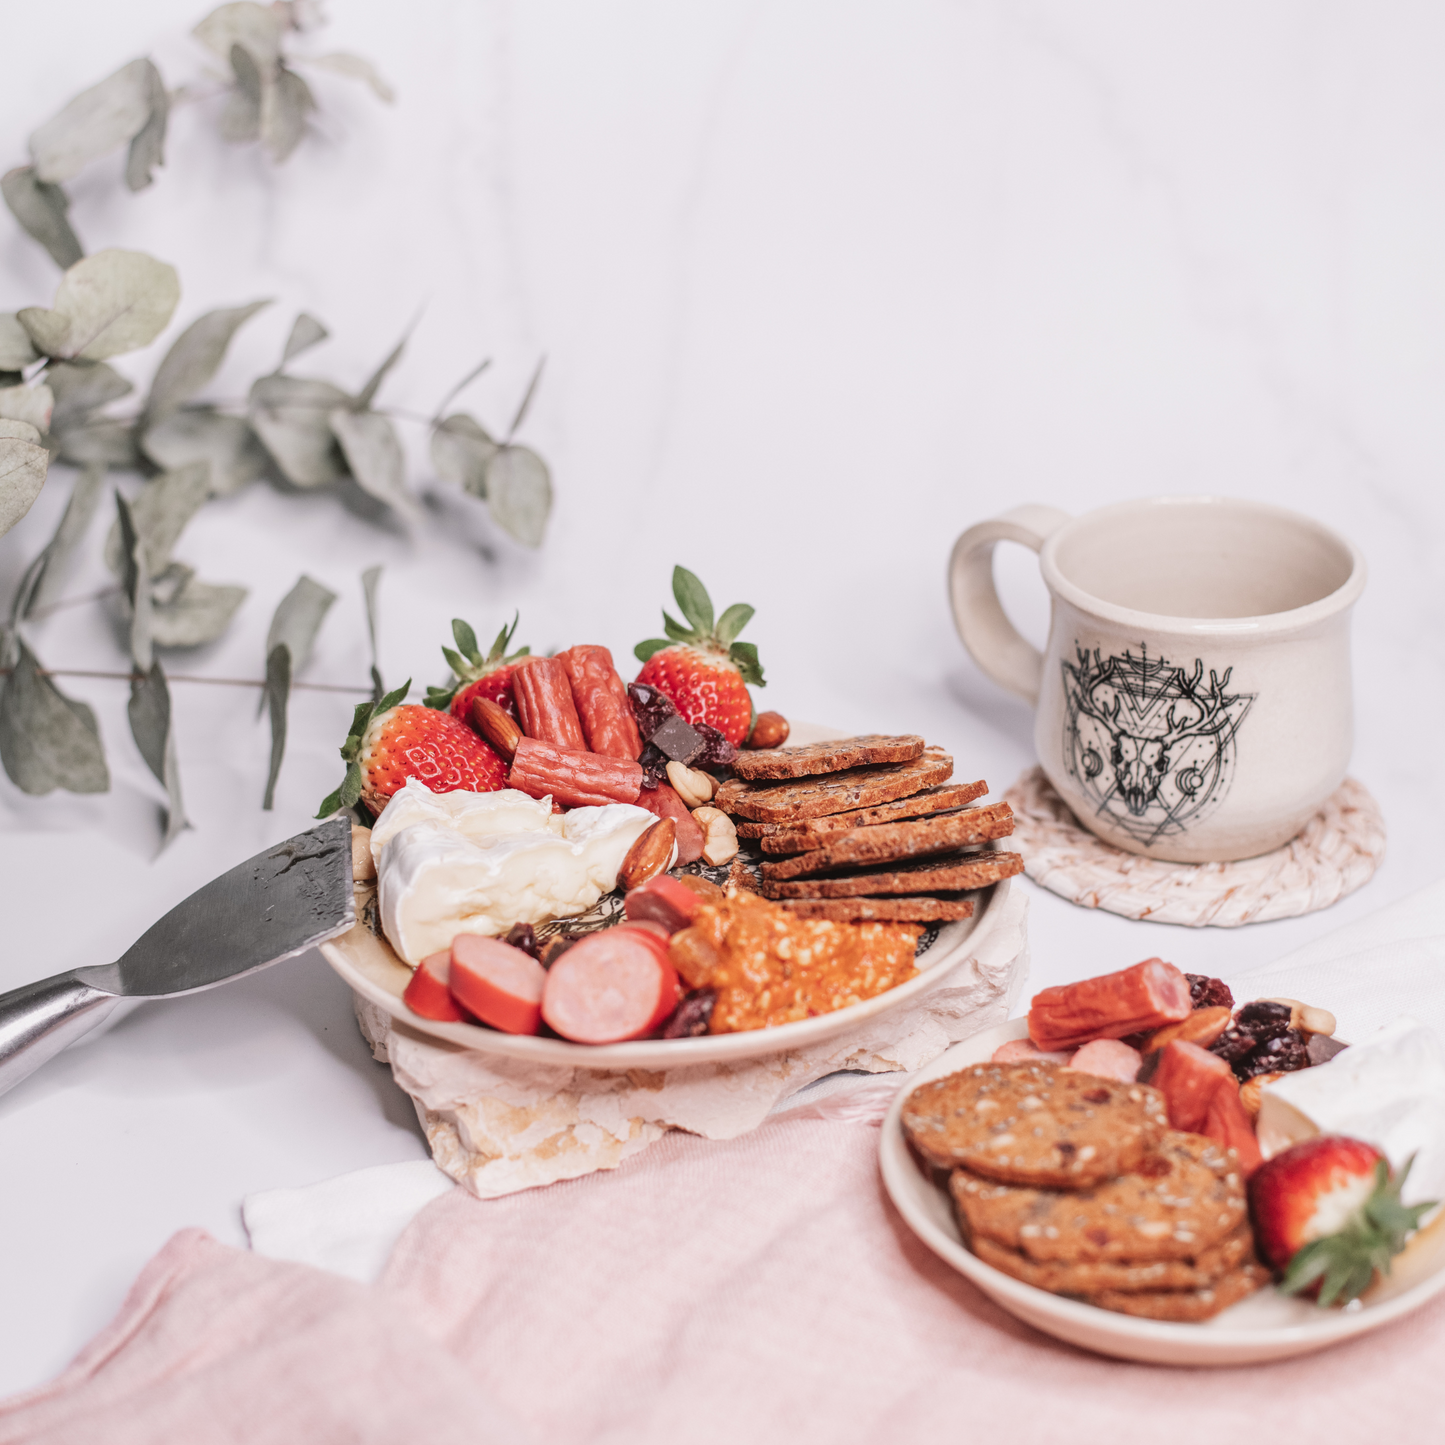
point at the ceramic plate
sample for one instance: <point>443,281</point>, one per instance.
<point>1266,1326</point>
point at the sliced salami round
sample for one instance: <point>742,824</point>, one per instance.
<point>609,987</point>
<point>429,992</point>
<point>500,984</point>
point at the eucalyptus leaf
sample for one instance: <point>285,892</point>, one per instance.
<point>225,443</point>
<point>194,358</point>
<point>151,725</point>
<point>104,440</point>
<point>80,387</point>
<point>40,208</point>
<point>32,404</point>
<point>370,586</point>
<point>148,145</point>
<point>108,303</point>
<point>160,513</point>
<point>20,606</point>
<point>291,416</point>
<point>47,740</point>
<point>278,694</point>
<point>297,620</point>
<point>16,350</point>
<point>306,331</point>
<point>136,585</point>
<point>340,63</point>
<point>241,115</point>
<point>284,106</point>
<point>526,405</point>
<point>519,492</point>
<point>96,122</point>
<point>59,554</point>
<point>199,612</point>
<point>23,464</point>
<point>373,453</point>
<point>460,451</point>
<point>367,394</point>
<point>257,28</point>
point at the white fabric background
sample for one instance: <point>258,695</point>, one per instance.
<point>819,285</point>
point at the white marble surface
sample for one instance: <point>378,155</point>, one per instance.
<point>819,285</point>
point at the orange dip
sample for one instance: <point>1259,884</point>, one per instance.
<point>770,967</point>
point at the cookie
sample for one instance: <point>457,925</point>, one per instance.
<point>830,757</point>
<point>897,842</point>
<point>972,870</point>
<point>834,792</point>
<point>1186,1306</point>
<point>1127,1276</point>
<point>1034,1124</point>
<point>1186,1196</point>
<point>881,910</point>
<point>813,833</point>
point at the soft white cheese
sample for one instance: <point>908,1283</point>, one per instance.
<point>1388,1090</point>
<point>453,863</point>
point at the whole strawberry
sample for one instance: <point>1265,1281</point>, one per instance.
<point>703,668</point>
<point>391,741</point>
<point>477,676</point>
<point>1328,1213</point>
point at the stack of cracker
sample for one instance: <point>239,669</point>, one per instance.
<point>868,829</point>
<point>1076,1185</point>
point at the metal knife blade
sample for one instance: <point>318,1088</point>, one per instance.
<point>279,903</point>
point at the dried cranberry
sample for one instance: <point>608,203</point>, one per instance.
<point>1206,992</point>
<point>1234,1045</point>
<point>654,766</point>
<point>1282,1054</point>
<point>557,946</point>
<point>717,751</point>
<point>1263,1019</point>
<point>524,936</point>
<point>692,1016</point>
<point>650,707</point>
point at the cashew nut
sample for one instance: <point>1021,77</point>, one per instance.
<point>693,787</point>
<point>720,837</point>
<point>1307,1017</point>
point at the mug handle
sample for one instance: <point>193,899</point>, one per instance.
<point>993,641</point>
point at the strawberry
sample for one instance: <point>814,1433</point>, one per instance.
<point>391,741</point>
<point>702,668</point>
<point>477,676</point>
<point>1328,1213</point>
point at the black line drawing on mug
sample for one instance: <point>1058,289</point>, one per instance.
<point>1148,743</point>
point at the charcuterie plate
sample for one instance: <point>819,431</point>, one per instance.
<point>1266,1326</point>
<point>367,962</point>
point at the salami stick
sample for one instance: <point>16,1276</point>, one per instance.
<point>601,699</point>
<point>544,703</point>
<point>574,778</point>
<point>1147,996</point>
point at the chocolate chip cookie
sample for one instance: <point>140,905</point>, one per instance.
<point>1186,1306</point>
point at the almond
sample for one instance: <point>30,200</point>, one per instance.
<point>770,730</point>
<point>649,856</point>
<point>501,731</point>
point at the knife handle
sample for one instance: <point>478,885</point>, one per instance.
<point>40,1019</point>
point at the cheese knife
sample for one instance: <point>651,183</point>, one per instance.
<point>275,905</point>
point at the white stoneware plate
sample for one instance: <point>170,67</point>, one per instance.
<point>1266,1326</point>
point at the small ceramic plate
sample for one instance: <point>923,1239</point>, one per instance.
<point>1266,1326</point>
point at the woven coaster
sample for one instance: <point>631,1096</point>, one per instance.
<point>1335,853</point>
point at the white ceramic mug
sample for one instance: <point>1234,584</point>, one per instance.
<point>1194,700</point>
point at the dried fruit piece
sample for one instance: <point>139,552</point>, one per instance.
<point>650,707</point>
<point>1209,992</point>
<point>524,936</point>
<point>1282,1054</point>
<point>1202,1027</point>
<point>692,1016</point>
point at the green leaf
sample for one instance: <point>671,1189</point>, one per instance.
<point>256,28</point>
<point>297,620</point>
<point>519,493</point>
<point>644,650</point>
<point>278,692</point>
<point>23,465</point>
<point>16,351</point>
<point>522,410</point>
<point>148,145</point>
<point>151,726</point>
<point>226,444</point>
<point>290,415</point>
<point>745,655</point>
<point>367,394</point>
<point>47,740</point>
<point>306,332</point>
<point>460,451</point>
<point>732,622</point>
<point>194,613</point>
<point>41,209</point>
<point>160,513</point>
<point>439,698</point>
<point>370,585</point>
<point>111,302</point>
<point>692,598</point>
<point>194,358</point>
<point>96,122</point>
<point>136,584</point>
<point>350,790</point>
<point>340,63</point>
<point>81,387</point>
<point>676,631</point>
<point>458,664</point>
<point>393,699</point>
<point>373,453</point>
<point>330,804</point>
<point>103,441</point>
<point>466,640</point>
<point>284,106</point>
<point>240,121</point>
<point>58,555</point>
<point>32,404</point>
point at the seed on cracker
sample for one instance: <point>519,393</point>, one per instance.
<point>829,757</point>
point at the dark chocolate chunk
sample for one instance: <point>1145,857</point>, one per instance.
<point>1263,1019</point>
<point>524,936</point>
<point>1322,1048</point>
<point>678,739</point>
<point>692,1016</point>
<point>650,707</point>
<point>1206,992</point>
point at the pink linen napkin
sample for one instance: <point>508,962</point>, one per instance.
<point>759,1289</point>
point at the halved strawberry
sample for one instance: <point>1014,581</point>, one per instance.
<point>703,668</point>
<point>477,676</point>
<point>390,742</point>
<point>1328,1213</point>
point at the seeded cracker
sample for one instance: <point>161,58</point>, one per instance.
<point>895,842</point>
<point>881,910</point>
<point>970,870</point>
<point>782,838</point>
<point>830,757</point>
<point>834,792</point>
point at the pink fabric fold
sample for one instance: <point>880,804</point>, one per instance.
<point>760,1289</point>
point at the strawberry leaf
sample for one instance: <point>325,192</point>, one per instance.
<point>350,789</point>
<point>745,658</point>
<point>466,640</point>
<point>393,699</point>
<point>644,650</point>
<point>330,804</point>
<point>732,622</point>
<point>439,698</point>
<point>692,598</point>
<point>677,631</point>
<point>456,662</point>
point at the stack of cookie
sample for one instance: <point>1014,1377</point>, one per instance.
<point>1076,1184</point>
<point>868,829</point>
